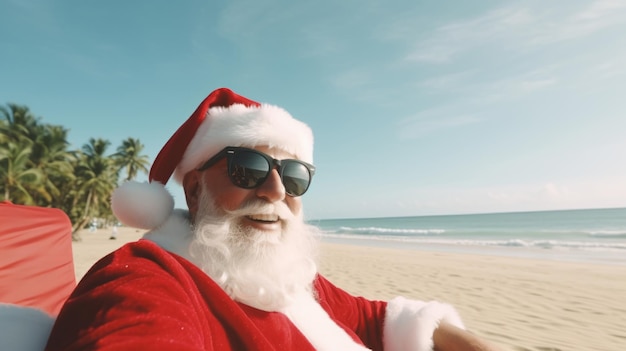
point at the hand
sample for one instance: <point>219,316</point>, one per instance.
<point>450,338</point>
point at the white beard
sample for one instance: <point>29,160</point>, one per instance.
<point>262,270</point>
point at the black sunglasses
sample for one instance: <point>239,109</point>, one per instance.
<point>249,168</point>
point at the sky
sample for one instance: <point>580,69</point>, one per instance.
<point>418,107</point>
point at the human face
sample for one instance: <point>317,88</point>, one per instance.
<point>229,197</point>
<point>260,268</point>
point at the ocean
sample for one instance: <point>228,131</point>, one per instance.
<point>592,235</point>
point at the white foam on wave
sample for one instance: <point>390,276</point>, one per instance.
<point>378,230</point>
<point>541,244</point>
<point>608,234</point>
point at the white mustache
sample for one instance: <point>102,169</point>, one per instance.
<point>257,207</point>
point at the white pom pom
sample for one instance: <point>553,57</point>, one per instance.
<point>142,205</point>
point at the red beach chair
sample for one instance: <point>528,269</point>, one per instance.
<point>36,273</point>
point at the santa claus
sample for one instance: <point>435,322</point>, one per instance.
<point>238,270</point>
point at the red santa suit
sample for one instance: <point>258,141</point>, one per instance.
<point>152,295</point>
<point>143,296</point>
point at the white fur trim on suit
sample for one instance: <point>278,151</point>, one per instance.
<point>142,205</point>
<point>24,328</point>
<point>409,324</point>
<point>238,125</point>
<point>174,235</point>
<point>321,331</point>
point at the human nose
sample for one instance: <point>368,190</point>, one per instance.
<point>272,189</point>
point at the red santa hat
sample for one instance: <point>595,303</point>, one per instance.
<point>222,119</point>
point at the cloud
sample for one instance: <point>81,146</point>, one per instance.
<point>511,52</point>
<point>565,194</point>
<point>471,90</point>
<point>593,193</point>
<point>450,81</point>
<point>451,39</point>
<point>482,90</point>
<point>537,84</point>
<point>601,192</point>
<point>553,191</point>
<point>528,196</point>
<point>597,16</point>
<point>517,28</point>
<point>352,79</point>
<point>600,9</point>
<point>249,20</point>
<point>610,67</point>
<point>431,121</point>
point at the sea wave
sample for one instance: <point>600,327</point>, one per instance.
<point>388,231</point>
<point>541,244</point>
<point>608,234</point>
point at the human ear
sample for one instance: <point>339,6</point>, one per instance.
<point>191,186</point>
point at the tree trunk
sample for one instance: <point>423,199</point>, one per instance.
<point>85,218</point>
<point>76,229</point>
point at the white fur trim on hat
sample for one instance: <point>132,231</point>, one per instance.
<point>410,324</point>
<point>239,125</point>
<point>142,205</point>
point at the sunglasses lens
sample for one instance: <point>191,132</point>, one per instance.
<point>296,178</point>
<point>248,169</point>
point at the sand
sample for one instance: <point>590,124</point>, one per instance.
<point>517,304</point>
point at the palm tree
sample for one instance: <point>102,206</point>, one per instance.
<point>51,157</point>
<point>19,179</point>
<point>37,168</point>
<point>95,180</point>
<point>129,156</point>
<point>17,127</point>
<point>19,124</point>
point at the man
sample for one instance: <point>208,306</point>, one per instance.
<point>238,270</point>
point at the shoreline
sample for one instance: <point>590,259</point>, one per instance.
<point>518,303</point>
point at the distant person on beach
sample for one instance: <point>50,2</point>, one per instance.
<point>113,232</point>
<point>238,270</point>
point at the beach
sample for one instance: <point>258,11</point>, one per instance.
<point>518,304</point>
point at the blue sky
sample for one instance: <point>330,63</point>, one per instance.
<point>418,107</point>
